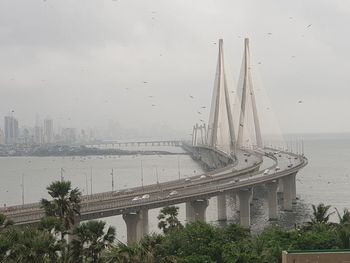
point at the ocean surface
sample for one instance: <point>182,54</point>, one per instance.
<point>326,179</point>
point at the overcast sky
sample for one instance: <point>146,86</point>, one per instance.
<point>86,62</point>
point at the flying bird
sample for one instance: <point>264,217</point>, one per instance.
<point>259,63</point>
<point>300,101</point>
<point>199,112</point>
<point>269,33</point>
<point>150,96</point>
<point>309,25</point>
<point>203,107</point>
<point>145,82</point>
<point>153,105</point>
<point>191,97</point>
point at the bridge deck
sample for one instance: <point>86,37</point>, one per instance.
<point>223,180</point>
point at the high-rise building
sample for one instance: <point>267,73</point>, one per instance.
<point>38,135</point>
<point>48,131</point>
<point>11,130</point>
<point>68,135</point>
<point>2,137</point>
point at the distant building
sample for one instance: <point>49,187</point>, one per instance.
<point>11,130</point>
<point>68,135</point>
<point>48,131</point>
<point>2,137</point>
<point>38,135</point>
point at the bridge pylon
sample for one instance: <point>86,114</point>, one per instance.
<point>247,99</point>
<point>221,132</point>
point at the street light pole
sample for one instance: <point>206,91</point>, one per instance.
<point>112,174</point>
<point>22,186</point>
<point>178,166</point>
<point>62,170</point>
<point>141,174</point>
<point>90,180</point>
<point>157,175</point>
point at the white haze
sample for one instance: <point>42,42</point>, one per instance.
<point>84,62</point>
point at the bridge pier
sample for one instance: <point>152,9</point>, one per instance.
<point>144,218</point>
<point>280,185</point>
<point>134,227</point>
<point>221,203</point>
<point>189,213</point>
<point>199,209</point>
<point>272,199</point>
<point>287,193</point>
<point>244,206</point>
<point>294,189</point>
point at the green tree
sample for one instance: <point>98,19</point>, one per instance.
<point>345,218</point>
<point>4,222</point>
<point>343,228</point>
<point>65,203</point>
<point>90,241</point>
<point>320,215</point>
<point>31,245</point>
<point>168,218</point>
<point>135,253</point>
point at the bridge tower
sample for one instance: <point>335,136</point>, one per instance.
<point>247,99</point>
<point>221,132</point>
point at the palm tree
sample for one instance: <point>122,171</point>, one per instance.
<point>343,228</point>
<point>345,218</point>
<point>31,245</point>
<point>320,214</point>
<point>65,204</point>
<point>135,253</point>
<point>121,253</point>
<point>168,218</point>
<point>90,241</point>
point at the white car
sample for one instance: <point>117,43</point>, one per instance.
<point>136,198</point>
<point>266,171</point>
<point>202,177</point>
<point>187,180</point>
<point>146,196</point>
<point>172,193</point>
<point>277,168</point>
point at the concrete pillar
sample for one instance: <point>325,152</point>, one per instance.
<point>237,201</point>
<point>293,186</point>
<point>280,185</point>
<point>244,206</point>
<point>272,199</point>
<point>189,213</point>
<point>287,193</point>
<point>133,227</point>
<point>221,203</point>
<point>144,217</point>
<point>199,207</point>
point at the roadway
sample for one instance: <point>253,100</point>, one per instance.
<point>236,176</point>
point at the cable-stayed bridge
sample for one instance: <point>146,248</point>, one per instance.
<point>233,152</point>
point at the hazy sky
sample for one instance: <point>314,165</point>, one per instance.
<point>84,62</point>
